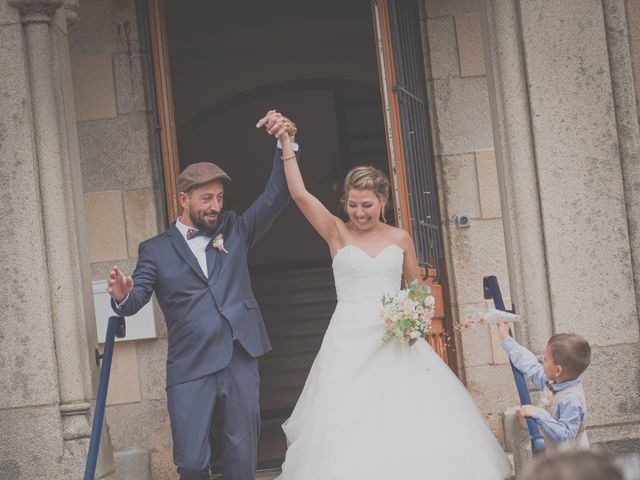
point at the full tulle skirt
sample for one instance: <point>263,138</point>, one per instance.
<point>375,410</point>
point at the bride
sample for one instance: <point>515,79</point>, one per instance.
<point>375,410</point>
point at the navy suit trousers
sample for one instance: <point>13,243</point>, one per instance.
<point>221,409</point>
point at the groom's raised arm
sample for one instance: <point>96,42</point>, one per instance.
<point>257,219</point>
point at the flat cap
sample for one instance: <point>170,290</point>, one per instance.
<point>198,174</point>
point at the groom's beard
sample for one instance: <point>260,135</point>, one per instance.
<point>198,221</point>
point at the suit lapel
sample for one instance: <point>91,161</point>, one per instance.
<point>215,257</point>
<point>212,258</point>
<point>180,244</point>
<point>220,258</point>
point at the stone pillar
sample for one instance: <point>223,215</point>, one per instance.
<point>633,30</point>
<point>515,156</point>
<point>624,97</point>
<point>571,112</point>
<point>47,311</point>
<point>36,19</point>
<point>30,423</point>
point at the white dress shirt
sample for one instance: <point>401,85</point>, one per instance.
<point>294,146</point>
<point>197,244</point>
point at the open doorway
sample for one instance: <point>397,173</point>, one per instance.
<point>316,62</point>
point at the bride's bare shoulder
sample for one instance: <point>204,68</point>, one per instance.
<point>399,236</point>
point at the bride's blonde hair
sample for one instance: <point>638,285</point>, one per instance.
<point>367,178</point>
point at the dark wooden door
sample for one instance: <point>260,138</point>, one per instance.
<point>297,306</point>
<point>409,143</point>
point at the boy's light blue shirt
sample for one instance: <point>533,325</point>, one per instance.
<point>570,411</point>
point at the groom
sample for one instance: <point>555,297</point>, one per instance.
<point>198,270</point>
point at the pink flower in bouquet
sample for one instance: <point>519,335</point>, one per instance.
<point>404,307</point>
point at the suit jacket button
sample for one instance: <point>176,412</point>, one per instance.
<point>222,309</point>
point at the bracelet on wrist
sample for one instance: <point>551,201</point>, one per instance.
<point>290,157</point>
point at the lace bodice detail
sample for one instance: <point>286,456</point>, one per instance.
<point>360,277</point>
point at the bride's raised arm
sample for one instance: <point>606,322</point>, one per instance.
<point>325,223</point>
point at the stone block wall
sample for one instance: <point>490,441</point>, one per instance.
<point>123,205</point>
<point>468,185</point>
<point>121,181</point>
<point>565,118</point>
<point>48,378</point>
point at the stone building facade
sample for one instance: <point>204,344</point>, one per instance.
<point>534,111</point>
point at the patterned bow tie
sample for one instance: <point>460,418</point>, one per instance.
<point>192,233</point>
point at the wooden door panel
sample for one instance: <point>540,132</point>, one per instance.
<point>436,291</point>
<point>409,141</point>
<point>165,106</point>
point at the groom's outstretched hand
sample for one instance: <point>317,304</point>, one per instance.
<point>119,285</point>
<point>278,125</point>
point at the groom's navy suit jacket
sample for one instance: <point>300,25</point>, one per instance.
<point>205,312</point>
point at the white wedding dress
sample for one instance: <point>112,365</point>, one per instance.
<point>374,410</point>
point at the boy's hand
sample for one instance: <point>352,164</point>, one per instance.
<point>503,328</point>
<point>528,410</point>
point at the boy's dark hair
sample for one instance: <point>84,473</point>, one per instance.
<point>572,352</point>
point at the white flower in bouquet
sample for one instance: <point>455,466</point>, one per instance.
<point>407,314</point>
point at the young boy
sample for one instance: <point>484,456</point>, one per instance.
<point>567,355</point>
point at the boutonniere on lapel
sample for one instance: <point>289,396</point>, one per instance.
<point>218,242</point>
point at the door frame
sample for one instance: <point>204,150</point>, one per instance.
<point>442,337</point>
<point>165,106</point>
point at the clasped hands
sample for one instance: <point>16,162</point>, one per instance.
<point>279,126</point>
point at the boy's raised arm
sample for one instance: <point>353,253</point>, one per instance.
<point>523,359</point>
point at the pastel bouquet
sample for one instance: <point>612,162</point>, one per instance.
<point>407,314</point>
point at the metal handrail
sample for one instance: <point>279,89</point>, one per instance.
<point>115,328</point>
<point>491,290</point>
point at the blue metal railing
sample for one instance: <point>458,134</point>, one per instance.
<point>492,291</point>
<point>115,328</point>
